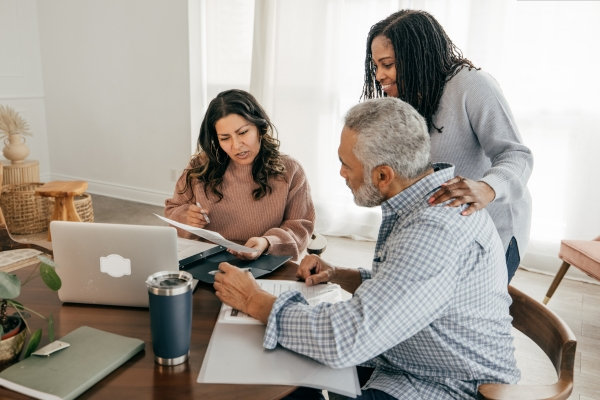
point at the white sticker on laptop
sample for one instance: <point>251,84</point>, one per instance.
<point>115,265</point>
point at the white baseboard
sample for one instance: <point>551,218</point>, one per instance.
<point>141,195</point>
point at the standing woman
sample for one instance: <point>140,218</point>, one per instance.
<point>239,184</point>
<point>470,123</point>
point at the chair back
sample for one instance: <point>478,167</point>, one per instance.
<point>553,336</point>
<point>7,242</point>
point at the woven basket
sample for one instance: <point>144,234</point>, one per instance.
<point>24,212</point>
<point>83,206</point>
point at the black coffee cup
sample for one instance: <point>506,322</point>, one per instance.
<point>170,302</point>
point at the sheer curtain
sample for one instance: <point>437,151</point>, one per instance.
<point>304,62</point>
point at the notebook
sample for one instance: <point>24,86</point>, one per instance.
<point>108,264</point>
<point>92,354</point>
<point>204,265</point>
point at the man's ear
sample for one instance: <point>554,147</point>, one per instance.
<point>383,177</point>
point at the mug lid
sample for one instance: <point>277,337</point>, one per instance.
<point>171,282</point>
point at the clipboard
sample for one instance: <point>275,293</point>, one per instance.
<point>204,265</point>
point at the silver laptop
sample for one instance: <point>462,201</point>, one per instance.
<point>108,264</point>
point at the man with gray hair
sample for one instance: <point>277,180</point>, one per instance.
<point>431,318</point>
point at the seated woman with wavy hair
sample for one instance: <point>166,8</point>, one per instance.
<point>239,185</point>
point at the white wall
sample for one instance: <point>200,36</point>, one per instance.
<point>116,86</point>
<point>21,75</point>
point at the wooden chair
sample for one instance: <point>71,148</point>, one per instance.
<point>582,254</point>
<point>7,242</point>
<point>552,335</point>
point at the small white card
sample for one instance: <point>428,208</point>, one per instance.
<point>51,348</point>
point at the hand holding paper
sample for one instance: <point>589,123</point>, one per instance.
<point>259,244</point>
<point>211,236</point>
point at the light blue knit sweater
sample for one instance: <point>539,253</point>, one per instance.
<point>481,139</point>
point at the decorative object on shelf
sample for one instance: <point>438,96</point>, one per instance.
<point>25,172</point>
<point>10,289</point>
<point>12,129</point>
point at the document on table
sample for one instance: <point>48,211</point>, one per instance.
<point>211,236</point>
<point>235,354</point>
<point>330,292</point>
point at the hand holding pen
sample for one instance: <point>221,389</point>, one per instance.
<point>203,213</point>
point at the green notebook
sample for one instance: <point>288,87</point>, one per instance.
<point>92,355</point>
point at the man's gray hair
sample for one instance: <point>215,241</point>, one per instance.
<point>390,132</point>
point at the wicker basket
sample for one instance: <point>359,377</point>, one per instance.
<point>25,213</point>
<point>83,206</point>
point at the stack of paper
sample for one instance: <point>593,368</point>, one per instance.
<point>330,293</point>
<point>235,353</point>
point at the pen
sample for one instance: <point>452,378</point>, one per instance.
<point>203,214</point>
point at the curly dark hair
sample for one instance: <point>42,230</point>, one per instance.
<point>210,161</point>
<point>425,56</point>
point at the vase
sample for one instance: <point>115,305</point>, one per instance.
<point>15,148</point>
<point>11,326</point>
<point>10,348</point>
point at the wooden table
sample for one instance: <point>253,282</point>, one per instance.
<point>140,377</point>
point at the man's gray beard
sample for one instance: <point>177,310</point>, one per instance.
<point>367,195</point>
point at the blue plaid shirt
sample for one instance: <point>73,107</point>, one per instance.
<point>432,318</point>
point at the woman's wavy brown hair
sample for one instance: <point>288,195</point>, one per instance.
<point>210,161</point>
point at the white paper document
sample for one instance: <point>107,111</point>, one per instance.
<point>330,293</point>
<point>236,355</point>
<point>211,236</point>
<point>188,247</point>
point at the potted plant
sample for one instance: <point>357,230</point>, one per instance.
<point>12,129</point>
<point>14,328</point>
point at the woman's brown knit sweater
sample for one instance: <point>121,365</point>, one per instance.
<point>285,216</point>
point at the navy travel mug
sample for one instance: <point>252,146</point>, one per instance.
<point>170,302</point>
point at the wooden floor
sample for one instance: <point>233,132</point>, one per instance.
<point>576,302</point>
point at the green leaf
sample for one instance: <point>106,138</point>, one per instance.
<point>1,331</point>
<point>34,342</point>
<point>49,276</point>
<point>10,286</point>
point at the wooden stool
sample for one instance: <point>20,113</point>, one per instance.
<point>63,193</point>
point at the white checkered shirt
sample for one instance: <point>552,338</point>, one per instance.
<point>432,318</point>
